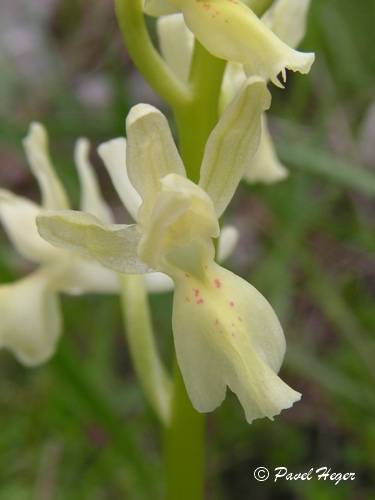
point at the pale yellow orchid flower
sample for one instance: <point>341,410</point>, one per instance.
<point>30,318</point>
<point>34,299</point>
<point>225,332</point>
<point>230,30</point>
<point>113,153</point>
<point>287,19</point>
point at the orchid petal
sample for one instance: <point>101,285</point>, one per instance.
<point>287,19</point>
<point>36,148</point>
<point>233,143</point>
<point>231,31</point>
<point>226,334</point>
<point>158,283</point>
<point>159,7</point>
<point>114,246</point>
<point>151,152</point>
<point>30,319</point>
<point>17,215</point>
<point>234,78</point>
<point>91,199</point>
<point>113,154</point>
<point>265,166</point>
<point>87,276</point>
<point>228,239</point>
<point>176,44</point>
<point>182,213</point>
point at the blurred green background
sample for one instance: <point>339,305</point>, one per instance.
<point>79,427</point>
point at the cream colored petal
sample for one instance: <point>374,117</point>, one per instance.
<point>233,143</point>
<point>265,166</point>
<point>287,19</point>
<point>17,214</point>
<point>151,152</point>
<point>88,276</point>
<point>182,213</point>
<point>228,239</point>
<point>226,334</point>
<point>231,31</point>
<point>200,363</point>
<point>176,43</point>
<point>158,7</point>
<point>158,283</point>
<point>167,210</point>
<point>30,319</point>
<point>114,246</point>
<point>234,78</point>
<point>36,148</point>
<point>84,275</point>
<point>91,199</point>
<point>113,154</point>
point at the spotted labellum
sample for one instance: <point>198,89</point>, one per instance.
<point>225,332</point>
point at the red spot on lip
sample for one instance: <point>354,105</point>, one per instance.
<point>231,303</point>
<point>200,301</point>
<point>217,283</point>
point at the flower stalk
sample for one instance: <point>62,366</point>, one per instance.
<point>184,446</point>
<point>145,56</point>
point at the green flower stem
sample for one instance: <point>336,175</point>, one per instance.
<point>145,56</point>
<point>196,118</point>
<point>184,437</point>
<point>150,371</point>
<point>184,446</point>
<point>259,6</point>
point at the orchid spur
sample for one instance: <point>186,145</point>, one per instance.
<point>225,332</point>
<point>287,20</point>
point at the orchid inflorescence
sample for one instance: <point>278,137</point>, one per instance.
<point>226,334</point>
